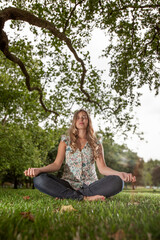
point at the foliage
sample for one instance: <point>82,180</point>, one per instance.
<point>156,175</point>
<point>60,66</point>
<point>113,219</point>
<point>151,173</point>
<point>16,103</point>
<point>22,148</point>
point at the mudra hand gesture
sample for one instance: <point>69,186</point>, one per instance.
<point>32,172</point>
<point>127,177</point>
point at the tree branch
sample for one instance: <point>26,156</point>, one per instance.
<point>5,49</point>
<point>145,47</point>
<point>18,14</point>
<point>4,120</point>
<point>71,13</point>
<point>139,7</point>
<point>133,27</point>
<point>135,7</point>
<point>100,4</point>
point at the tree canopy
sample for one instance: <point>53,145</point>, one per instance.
<point>23,147</point>
<point>56,66</point>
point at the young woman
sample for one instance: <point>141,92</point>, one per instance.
<point>81,150</point>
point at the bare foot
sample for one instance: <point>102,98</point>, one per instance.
<point>94,198</point>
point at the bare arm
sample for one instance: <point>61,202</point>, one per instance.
<point>104,170</point>
<point>53,167</point>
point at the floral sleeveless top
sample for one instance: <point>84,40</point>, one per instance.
<point>79,167</point>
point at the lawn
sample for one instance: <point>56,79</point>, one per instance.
<point>29,214</point>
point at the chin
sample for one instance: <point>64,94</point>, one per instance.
<point>82,127</point>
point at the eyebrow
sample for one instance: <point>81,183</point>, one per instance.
<point>83,115</point>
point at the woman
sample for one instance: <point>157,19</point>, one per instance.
<point>80,150</point>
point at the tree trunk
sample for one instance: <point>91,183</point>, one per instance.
<point>133,186</point>
<point>15,182</point>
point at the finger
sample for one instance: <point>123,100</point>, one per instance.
<point>26,172</point>
<point>126,179</point>
<point>129,177</point>
<point>134,179</point>
<point>32,172</point>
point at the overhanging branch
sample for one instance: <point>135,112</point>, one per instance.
<point>70,15</point>
<point>153,6</point>
<point>5,49</point>
<point>12,13</point>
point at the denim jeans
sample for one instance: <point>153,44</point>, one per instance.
<point>56,187</point>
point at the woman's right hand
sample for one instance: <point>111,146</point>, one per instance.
<point>32,172</point>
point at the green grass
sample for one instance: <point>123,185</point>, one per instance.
<point>128,215</point>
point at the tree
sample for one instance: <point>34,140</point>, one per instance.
<point>22,147</point>
<point>138,171</point>
<point>156,176</point>
<point>147,178</point>
<point>16,103</point>
<point>65,28</point>
<point>150,175</point>
<point>17,152</point>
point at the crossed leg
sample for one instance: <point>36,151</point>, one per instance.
<point>99,190</point>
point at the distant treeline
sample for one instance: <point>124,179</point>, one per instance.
<point>32,146</point>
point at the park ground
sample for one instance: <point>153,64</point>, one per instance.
<point>28,214</point>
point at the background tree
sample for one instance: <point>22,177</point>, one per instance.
<point>156,176</point>
<point>22,148</point>
<point>65,28</point>
<point>150,168</point>
<point>147,178</point>
<point>138,171</point>
<point>17,152</point>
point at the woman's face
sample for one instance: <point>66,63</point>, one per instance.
<point>82,120</point>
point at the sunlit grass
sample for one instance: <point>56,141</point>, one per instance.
<point>128,215</point>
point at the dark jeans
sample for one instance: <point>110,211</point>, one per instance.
<point>55,187</point>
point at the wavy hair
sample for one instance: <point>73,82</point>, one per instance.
<point>91,137</point>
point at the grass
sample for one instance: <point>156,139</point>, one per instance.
<point>128,215</point>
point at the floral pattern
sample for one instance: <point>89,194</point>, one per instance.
<point>79,166</point>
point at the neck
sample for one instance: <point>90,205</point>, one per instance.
<point>82,134</point>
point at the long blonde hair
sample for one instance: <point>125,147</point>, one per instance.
<point>91,137</point>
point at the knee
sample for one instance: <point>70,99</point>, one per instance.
<point>119,183</point>
<point>39,180</point>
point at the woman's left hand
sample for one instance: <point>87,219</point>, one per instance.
<point>127,177</point>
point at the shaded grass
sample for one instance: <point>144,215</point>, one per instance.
<point>128,215</point>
